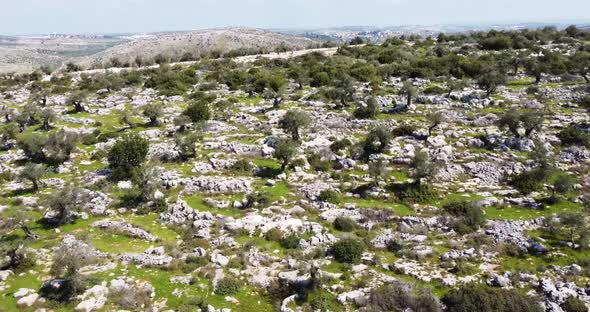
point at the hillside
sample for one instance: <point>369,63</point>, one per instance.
<point>176,44</point>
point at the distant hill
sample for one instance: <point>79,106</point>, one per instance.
<point>176,44</point>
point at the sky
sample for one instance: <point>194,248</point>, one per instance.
<point>28,17</point>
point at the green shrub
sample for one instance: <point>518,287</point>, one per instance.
<point>573,304</point>
<point>348,250</point>
<point>316,162</point>
<point>127,155</point>
<point>290,241</point>
<point>329,196</point>
<point>344,224</point>
<point>403,130</point>
<point>340,145</point>
<point>198,111</point>
<point>488,299</point>
<point>274,235</point>
<point>228,286</point>
<point>574,136</point>
<point>411,193</point>
<point>434,89</point>
<point>242,166</point>
<point>400,296</point>
<point>527,182</point>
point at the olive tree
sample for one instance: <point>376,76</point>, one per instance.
<point>284,151</point>
<point>127,155</point>
<point>76,101</point>
<point>423,168</point>
<point>33,173</point>
<point>409,91</point>
<point>153,111</point>
<point>294,121</point>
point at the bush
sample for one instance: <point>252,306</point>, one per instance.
<point>290,241</point>
<point>198,111</point>
<point>412,193</point>
<point>242,166</point>
<point>340,145</point>
<point>316,162</point>
<point>228,286</point>
<point>274,235</point>
<point>403,130</point>
<point>487,299</point>
<point>348,250</point>
<point>574,136</point>
<point>344,224</point>
<point>329,196</point>
<point>399,296</point>
<point>127,155</point>
<point>527,182</point>
<point>573,304</point>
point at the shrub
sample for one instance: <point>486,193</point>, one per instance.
<point>274,235</point>
<point>316,162</point>
<point>574,136</point>
<point>403,130</point>
<point>290,241</point>
<point>329,196</point>
<point>344,224</point>
<point>198,111</point>
<point>527,182</point>
<point>228,286</point>
<point>242,166</point>
<point>127,155</point>
<point>573,304</point>
<point>400,296</point>
<point>487,299</point>
<point>340,145</point>
<point>348,250</point>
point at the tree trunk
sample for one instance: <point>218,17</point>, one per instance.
<point>538,79</point>
<point>30,235</point>
<point>78,107</point>
<point>46,125</point>
<point>585,76</point>
<point>35,185</point>
<point>409,101</point>
<point>277,103</point>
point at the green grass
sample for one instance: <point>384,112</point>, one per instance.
<point>519,213</point>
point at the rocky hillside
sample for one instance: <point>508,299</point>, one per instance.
<point>175,45</point>
<point>416,175</point>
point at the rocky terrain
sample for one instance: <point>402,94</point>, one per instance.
<point>415,175</point>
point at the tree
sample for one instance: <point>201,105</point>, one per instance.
<point>435,119</point>
<point>153,111</point>
<point>423,167</point>
<point>33,173</point>
<point>579,64</point>
<point>562,185</point>
<point>491,80</point>
<point>76,100</point>
<point>127,155</point>
<point>575,225</point>
<point>198,111</point>
<point>348,250</point>
<point>293,121</point>
<point>377,170</point>
<point>409,91</point>
<point>370,110</point>
<point>182,122</point>
<point>532,121</point>
<point>126,118</point>
<point>284,152</point>
<point>510,120</point>
<point>48,116</point>
<point>187,143</point>
<point>376,141</point>
<point>62,205</point>
<point>273,87</point>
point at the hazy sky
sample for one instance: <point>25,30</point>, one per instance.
<point>109,16</point>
